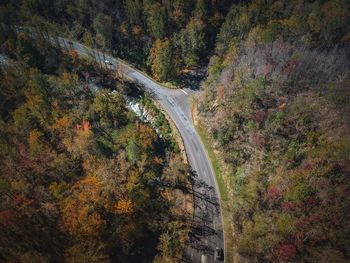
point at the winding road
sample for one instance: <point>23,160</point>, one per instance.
<point>176,102</point>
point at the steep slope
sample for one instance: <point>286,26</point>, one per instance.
<point>276,104</point>
<point>81,178</point>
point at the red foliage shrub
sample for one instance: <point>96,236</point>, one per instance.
<point>286,252</point>
<point>273,194</point>
<point>259,116</point>
<point>258,139</point>
<point>308,166</point>
<point>6,217</point>
<point>22,150</point>
<point>85,127</point>
<point>305,222</point>
<point>21,200</point>
<point>312,200</point>
<point>86,88</point>
<point>287,206</point>
<point>267,69</point>
<point>289,67</point>
<point>299,239</point>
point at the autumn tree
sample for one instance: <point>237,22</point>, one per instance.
<point>79,215</point>
<point>110,109</point>
<point>161,59</point>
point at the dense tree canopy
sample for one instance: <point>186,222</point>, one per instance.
<point>129,28</point>
<point>81,178</point>
<point>162,60</point>
<point>276,104</point>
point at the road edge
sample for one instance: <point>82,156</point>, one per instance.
<point>228,256</point>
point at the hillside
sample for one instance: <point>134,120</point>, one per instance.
<point>276,102</point>
<point>82,179</point>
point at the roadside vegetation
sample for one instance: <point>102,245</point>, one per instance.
<point>276,104</point>
<point>159,122</point>
<point>207,141</point>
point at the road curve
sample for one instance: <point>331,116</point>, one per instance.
<point>176,102</point>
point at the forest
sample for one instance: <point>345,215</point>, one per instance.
<point>82,179</point>
<point>276,102</point>
<point>161,37</point>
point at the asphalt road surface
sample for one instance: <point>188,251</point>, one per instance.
<point>176,102</point>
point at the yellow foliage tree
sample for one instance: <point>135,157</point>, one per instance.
<point>161,58</point>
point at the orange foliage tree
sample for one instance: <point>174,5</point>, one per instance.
<point>79,215</point>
